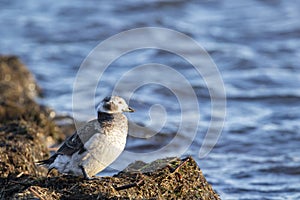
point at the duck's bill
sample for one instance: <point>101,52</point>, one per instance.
<point>130,109</point>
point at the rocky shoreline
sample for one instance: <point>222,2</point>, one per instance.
<point>26,131</point>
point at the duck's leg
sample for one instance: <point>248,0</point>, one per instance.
<point>85,175</point>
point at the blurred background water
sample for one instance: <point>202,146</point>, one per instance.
<point>255,45</point>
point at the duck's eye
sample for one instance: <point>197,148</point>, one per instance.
<point>120,102</point>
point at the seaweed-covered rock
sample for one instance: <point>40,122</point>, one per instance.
<point>26,128</point>
<point>173,179</point>
<point>21,145</point>
<point>17,76</point>
<point>18,90</point>
<point>17,87</point>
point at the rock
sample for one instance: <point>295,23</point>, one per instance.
<point>25,127</point>
<point>21,145</point>
<point>177,179</point>
<point>18,77</point>
<point>17,88</point>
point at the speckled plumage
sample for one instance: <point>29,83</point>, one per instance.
<point>95,145</point>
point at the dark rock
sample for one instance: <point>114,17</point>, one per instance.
<point>17,101</point>
<point>26,128</point>
<point>20,146</point>
<point>178,179</point>
<point>18,77</point>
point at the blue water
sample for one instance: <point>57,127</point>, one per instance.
<point>255,45</point>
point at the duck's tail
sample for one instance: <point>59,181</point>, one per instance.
<point>48,161</point>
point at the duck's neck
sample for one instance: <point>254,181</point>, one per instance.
<point>102,116</point>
